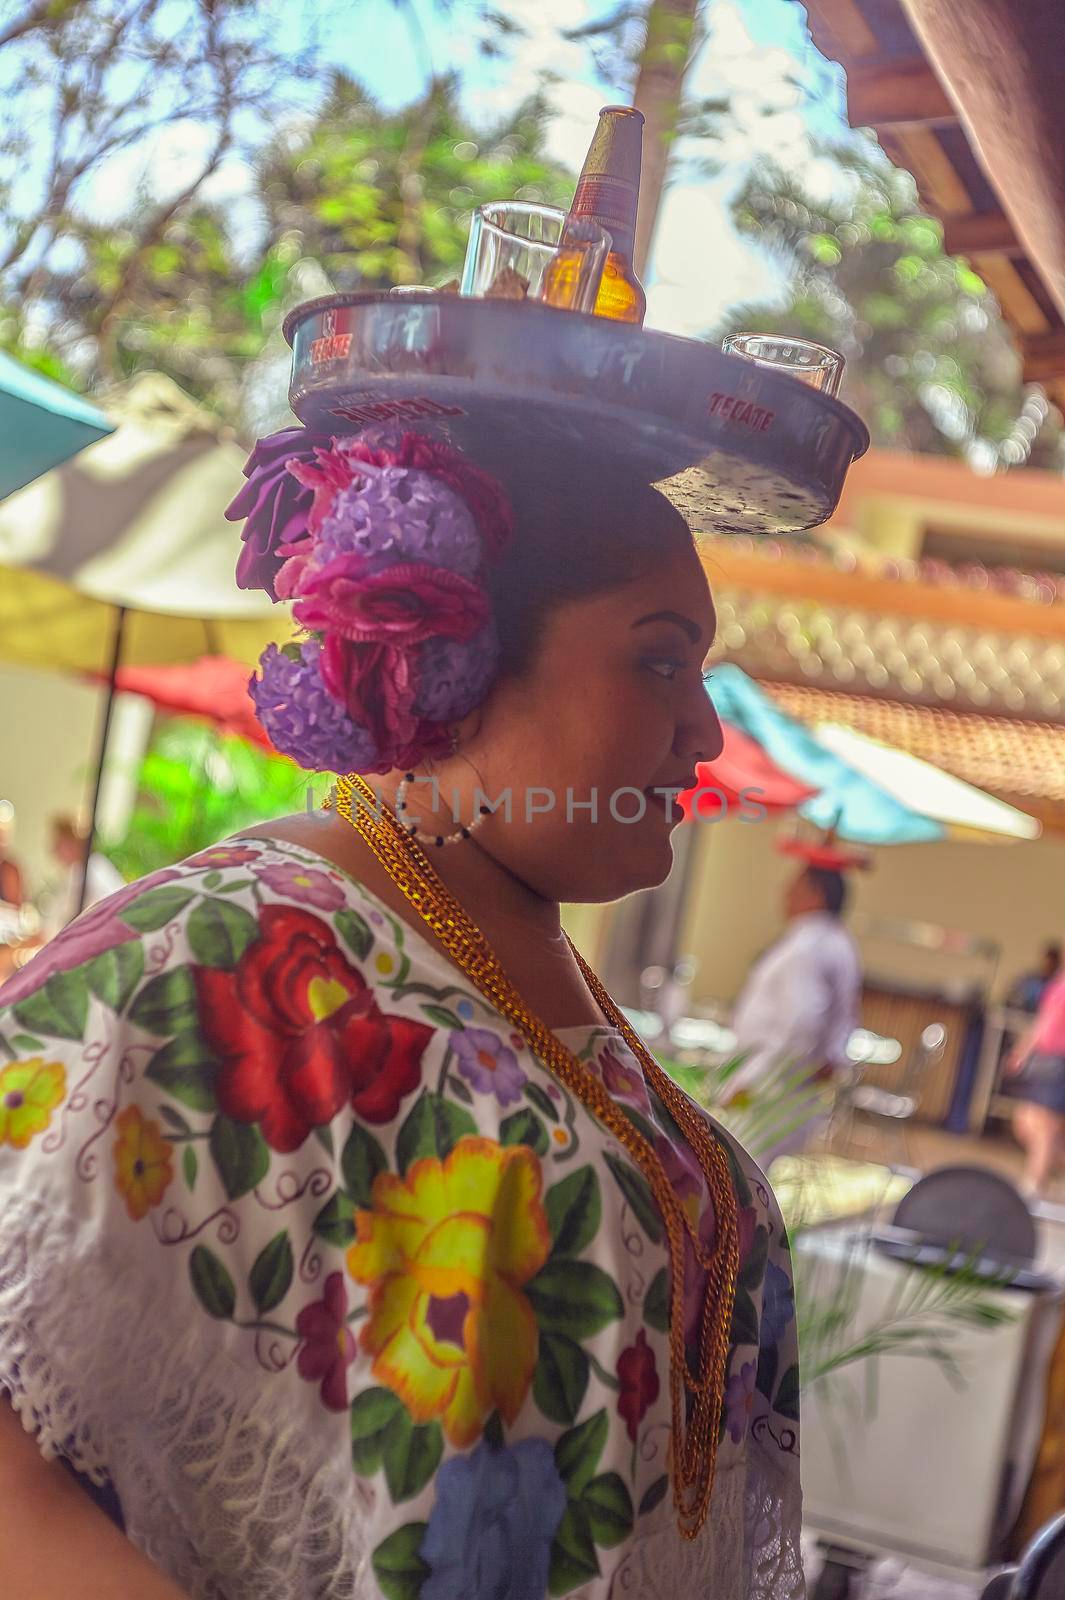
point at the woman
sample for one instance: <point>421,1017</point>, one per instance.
<point>1036,1078</point>
<point>352,1245</point>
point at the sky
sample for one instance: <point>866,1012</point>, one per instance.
<point>756,49</point>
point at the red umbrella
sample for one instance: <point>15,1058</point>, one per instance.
<point>214,687</point>
<point>742,775</point>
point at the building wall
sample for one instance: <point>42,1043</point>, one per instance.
<point>1014,894</point>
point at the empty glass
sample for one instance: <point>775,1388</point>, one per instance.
<point>813,364</point>
<point>521,251</point>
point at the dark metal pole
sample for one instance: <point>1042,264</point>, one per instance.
<point>101,749</point>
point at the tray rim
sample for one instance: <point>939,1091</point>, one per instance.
<point>355,298</point>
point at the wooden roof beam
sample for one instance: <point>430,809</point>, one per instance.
<point>893,93</point>
<point>985,233</point>
<point>1044,356</point>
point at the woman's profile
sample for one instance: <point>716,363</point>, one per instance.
<point>351,1244</point>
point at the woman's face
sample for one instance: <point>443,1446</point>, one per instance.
<point>613,708</point>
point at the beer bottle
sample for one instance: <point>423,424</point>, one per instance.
<point>607,192</point>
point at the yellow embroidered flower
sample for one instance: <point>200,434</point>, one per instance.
<point>446,1251</point>
<point>144,1164</point>
<point>29,1093</point>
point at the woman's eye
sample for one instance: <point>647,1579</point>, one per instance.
<point>665,666</point>
<point>707,674</point>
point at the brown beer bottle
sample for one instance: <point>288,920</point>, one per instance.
<point>608,191</point>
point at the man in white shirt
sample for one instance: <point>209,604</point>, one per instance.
<point>798,1009</point>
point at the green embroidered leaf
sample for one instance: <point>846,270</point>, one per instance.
<point>325,1139</point>
<point>744,1319</point>
<point>646,1129</point>
<point>753,1270</point>
<point>577,1453</point>
<point>411,1455</point>
<point>654,1496</point>
<point>574,1211</point>
<point>575,1298</point>
<point>212,880</point>
<point>372,1414</point>
<point>219,932</point>
<point>335,1223</point>
<point>355,931</point>
<point>58,1010</point>
<point>573,1557</point>
<point>542,1101</point>
<point>609,1507</point>
<point>525,1127</point>
<point>26,1041</point>
<point>271,1273</point>
<point>233,887</point>
<point>787,1396</point>
<point>458,1090</point>
<point>240,1154</point>
<point>154,910</point>
<point>360,1162</point>
<point>433,1128</point>
<point>174,1119</point>
<point>634,1187</point>
<point>397,1564</point>
<point>656,1302</point>
<point>768,1363</point>
<point>113,975</point>
<point>190,1166</point>
<point>212,1284</point>
<point>186,1069</point>
<point>740,1182</point>
<point>167,1004</point>
<point>560,1380</point>
<point>443,1017</point>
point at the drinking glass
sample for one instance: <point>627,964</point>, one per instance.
<point>521,251</point>
<point>813,364</point>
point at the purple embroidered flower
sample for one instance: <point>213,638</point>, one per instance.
<point>739,1400</point>
<point>328,1344</point>
<point>778,1304</point>
<point>454,675</point>
<point>399,514</point>
<point>274,504</point>
<point>303,883</point>
<point>488,1065</point>
<point>492,1524</point>
<point>683,1171</point>
<point>302,717</point>
<point>625,1082</point>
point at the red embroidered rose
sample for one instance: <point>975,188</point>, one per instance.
<point>639,1382</point>
<point>301,1035</point>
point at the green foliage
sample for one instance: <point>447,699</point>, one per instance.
<point>931,364</point>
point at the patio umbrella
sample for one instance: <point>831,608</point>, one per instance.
<point>41,424</point>
<point>860,810</point>
<point>124,556</point>
<point>963,809</point>
<point>743,773</point>
<point>214,688</point>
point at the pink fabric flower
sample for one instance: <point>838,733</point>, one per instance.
<point>223,855</point>
<point>739,1401</point>
<point>402,605</point>
<point>301,883</point>
<point>328,1346</point>
<point>624,1081</point>
<point>330,471</point>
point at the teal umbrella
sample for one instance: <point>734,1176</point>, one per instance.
<point>855,807</point>
<point>41,424</point>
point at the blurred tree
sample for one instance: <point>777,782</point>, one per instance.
<point>931,364</point>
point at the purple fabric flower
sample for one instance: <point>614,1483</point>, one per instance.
<point>492,1524</point>
<point>302,717</point>
<point>488,1065</point>
<point>684,1173</point>
<point>96,930</point>
<point>400,514</point>
<point>273,504</point>
<point>454,675</point>
<point>328,1344</point>
<point>778,1304</point>
<point>624,1080</point>
<point>301,883</point>
<point>739,1399</point>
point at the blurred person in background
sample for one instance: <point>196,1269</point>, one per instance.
<point>1036,1080</point>
<point>1028,990</point>
<point>12,883</point>
<point>798,1008</point>
<point>59,902</point>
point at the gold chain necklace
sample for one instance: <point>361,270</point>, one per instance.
<point>696,1397</point>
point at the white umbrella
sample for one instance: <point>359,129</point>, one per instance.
<point>924,788</point>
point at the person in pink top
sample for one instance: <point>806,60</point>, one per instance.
<point>1036,1080</point>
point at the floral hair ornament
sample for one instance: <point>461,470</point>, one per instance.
<point>381,545</point>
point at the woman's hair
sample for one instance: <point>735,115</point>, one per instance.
<point>567,548</point>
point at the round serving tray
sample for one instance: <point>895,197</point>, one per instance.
<point>528,391</point>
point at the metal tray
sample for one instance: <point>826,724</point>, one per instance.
<point>529,391</point>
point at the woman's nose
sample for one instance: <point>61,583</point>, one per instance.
<point>702,737</point>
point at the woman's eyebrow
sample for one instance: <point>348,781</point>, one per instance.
<point>692,629</point>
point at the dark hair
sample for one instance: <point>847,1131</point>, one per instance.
<point>569,545</point>
<point>831,886</point>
